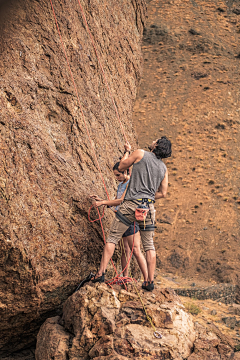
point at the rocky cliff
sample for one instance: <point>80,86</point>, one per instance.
<point>48,169</point>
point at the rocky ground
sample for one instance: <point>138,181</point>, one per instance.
<point>103,323</point>
<point>205,311</point>
<point>190,92</point>
<point>207,314</point>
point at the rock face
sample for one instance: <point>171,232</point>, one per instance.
<point>47,167</point>
<point>103,323</point>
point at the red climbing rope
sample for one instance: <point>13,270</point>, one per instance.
<point>103,72</point>
<point>117,279</point>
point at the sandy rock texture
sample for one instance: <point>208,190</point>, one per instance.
<point>103,323</point>
<point>47,167</point>
<point>190,92</point>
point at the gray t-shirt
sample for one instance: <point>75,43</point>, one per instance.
<point>146,177</point>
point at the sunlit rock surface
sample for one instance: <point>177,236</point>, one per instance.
<point>103,323</point>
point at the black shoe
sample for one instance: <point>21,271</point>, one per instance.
<point>88,278</point>
<point>99,279</point>
<point>147,285</point>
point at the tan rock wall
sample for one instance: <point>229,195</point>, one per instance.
<point>47,168</point>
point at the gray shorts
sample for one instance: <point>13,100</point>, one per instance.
<point>117,229</point>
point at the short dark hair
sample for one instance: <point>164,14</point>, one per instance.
<point>115,167</point>
<point>163,148</point>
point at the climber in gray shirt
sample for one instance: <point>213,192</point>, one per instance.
<point>148,182</point>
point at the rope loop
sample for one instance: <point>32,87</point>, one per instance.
<point>99,218</point>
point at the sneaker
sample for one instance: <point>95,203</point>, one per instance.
<point>147,285</point>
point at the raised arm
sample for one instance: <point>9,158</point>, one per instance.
<point>128,160</point>
<point>162,190</point>
<point>114,202</point>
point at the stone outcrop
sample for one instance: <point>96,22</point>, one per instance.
<point>103,323</point>
<point>47,167</point>
<point>212,344</point>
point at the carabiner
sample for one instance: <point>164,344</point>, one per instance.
<point>157,334</point>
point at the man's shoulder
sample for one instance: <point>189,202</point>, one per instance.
<point>139,151</point>
<point>138,154</point>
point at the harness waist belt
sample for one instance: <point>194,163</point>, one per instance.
<point>150,201</point>
<point>127,222</point>
<point>123,218</point>
<point>150,227</point>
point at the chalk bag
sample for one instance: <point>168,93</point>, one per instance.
<point>141,213</point>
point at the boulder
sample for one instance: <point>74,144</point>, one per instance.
<point>211,344</point>
<point>100,322</point>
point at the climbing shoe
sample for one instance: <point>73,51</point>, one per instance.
<point>99,279</point>
<point>147,285</point>
<point>88,278</point>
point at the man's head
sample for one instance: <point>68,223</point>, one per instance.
<point>162,148</point>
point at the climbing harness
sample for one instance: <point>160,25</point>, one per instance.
<point>117,279</point>
<point>141,213</point>
<point>123,218</point>
<point>127,222</point>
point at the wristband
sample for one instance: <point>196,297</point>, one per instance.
<point>126,151</point>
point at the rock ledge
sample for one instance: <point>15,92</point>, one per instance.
<point>103,323</point>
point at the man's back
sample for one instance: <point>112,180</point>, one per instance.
<point>147,175</point>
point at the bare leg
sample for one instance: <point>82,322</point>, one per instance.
<point>151,264</point>
<point>125,255</point>
<point>138,254</point>
<point>106,256</point>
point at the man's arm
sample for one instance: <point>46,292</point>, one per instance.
<point>162,190</point>
<point>128,160</point>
